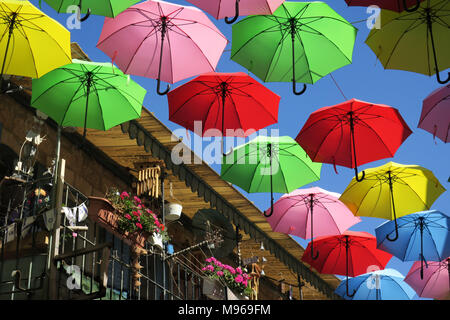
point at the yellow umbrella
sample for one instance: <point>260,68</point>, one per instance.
<point>31,43</point>
<point>392,190</point>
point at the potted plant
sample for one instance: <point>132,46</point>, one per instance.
<point>235,279</point>
<point>126,217</point>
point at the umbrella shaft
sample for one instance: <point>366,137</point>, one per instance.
<point>88,91</point>
<point>163,35</point>
<point>11,29</point>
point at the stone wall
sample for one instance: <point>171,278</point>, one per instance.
<point>83,171</point>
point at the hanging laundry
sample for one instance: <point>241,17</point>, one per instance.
<point>82,212</point>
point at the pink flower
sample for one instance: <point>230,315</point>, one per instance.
<point>220,273</point>
<point>128,216</point>
<point>210,268</point>
<point>245,283</point>
<point>239,279</point>
<point>124,195</point>
<point>136,213</point>
<point>138,225</point>
<point>139,206</point>
<point>136,199</point>
<point>239,270</point>
<point>204,269</point>
<point>208,260</point>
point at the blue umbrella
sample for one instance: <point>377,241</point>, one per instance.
<point>384,284</point>
<point>422,236</point>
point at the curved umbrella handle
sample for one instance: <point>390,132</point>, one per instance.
<point>405,6</point>
<point>348,294</point>
<point>158,88</point>
<point>87,14</point>
<point>356,175</point>
<point>314,256</point>
<point>396,235</point>
<point>439,78</point>
<point>271,203</point>
<point>236,15</point>
<point>294,90</point>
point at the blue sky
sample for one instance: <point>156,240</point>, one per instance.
<point>364,79</point>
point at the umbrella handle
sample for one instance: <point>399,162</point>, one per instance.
<point>158,88</point>
<point>294,90</point>
<point>430,29</point>
<point>87,14</point>
<point>356,175</point>
<point>405,6</point>
<point>348,294</point>
<point>236,15</point>
<point>396,235</point>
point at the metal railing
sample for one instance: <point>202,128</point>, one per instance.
<point>92,263</point>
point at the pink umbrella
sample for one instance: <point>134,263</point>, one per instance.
<point>436,277</point>
<point>311,212</point>
<point>162,41</point>
<point>224,8</point>
<point>435,117</point>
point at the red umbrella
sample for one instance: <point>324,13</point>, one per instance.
<point>349,254</point>
<point>232,103</point>
<point>353,133</point>
<point>394,5</point>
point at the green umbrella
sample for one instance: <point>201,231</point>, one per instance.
<point>300,42</point>
<point>269,164</point>
<point>106,8</point>
<point>88,94</point>
<point>424,32</point>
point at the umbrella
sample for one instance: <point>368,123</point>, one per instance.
<point>296,212</point>
<point>394,5</point>
<point>422,236</point>
<point>232,103</point>
<point>387,284</point>
<point>435,117</point>
<point>307,36</point>
<point>436,279</point>
<point>403,33</point>
<point>88,94</point>
<point>136,40</point>
<point>392,190</point>
<point>32,43</point>
<point>269,164</point>
<point>107,8</point>
<point>350,254</point>
<point>353,133</point>
<point>220,9</point>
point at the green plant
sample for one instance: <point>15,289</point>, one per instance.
<point>234,278</point>
<point>134,216</point>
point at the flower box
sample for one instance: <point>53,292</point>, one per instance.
<point>213,289</point>
<point>233,296</point>
<point>102,212</point>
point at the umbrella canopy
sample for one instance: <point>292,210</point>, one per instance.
<point>232,103</point>
<point>88,94</point>
<point>394,5</point>
<point>269,164</point>
<point>436,279</point>
<point>435,117</point>
<point>155,39</point>
<point>406,32</point>
<point>353,133</point>
<point>300,42</point>
<point>349,254</point>
<point>422,236</point>
<point>220,9</point>
<point>311,212</point>
<point>392,190</point>
<point>107,8</point>
<point>32,43</point>
<point>387,284</point>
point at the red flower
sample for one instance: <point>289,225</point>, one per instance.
<point>136,213</point>
<point>162,227</point>
<point>136,199</point>
<point>124,195</point>
<point>128,216</point>
<point>138,225</point>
